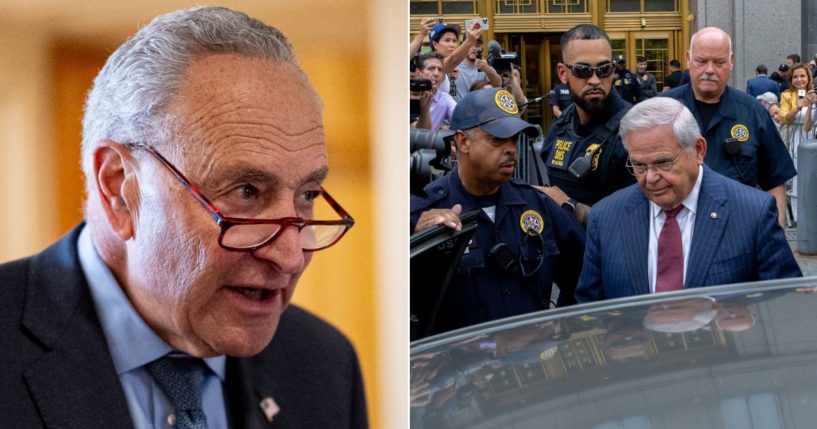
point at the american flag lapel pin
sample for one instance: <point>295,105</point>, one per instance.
<point>269,407</point>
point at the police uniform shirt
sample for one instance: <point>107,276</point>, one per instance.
<point>560,96</point>
<point>479,291</point>
<point>673,80</point>
<point>568,140</point>
<point>761,159</point>
<point>628,86</point>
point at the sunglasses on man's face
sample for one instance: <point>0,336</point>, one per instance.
<point>584,71</point>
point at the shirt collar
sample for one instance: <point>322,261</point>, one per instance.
<point>690,202</point>
<point>130,340</point>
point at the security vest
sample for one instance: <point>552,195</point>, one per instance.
<point>608,172</point>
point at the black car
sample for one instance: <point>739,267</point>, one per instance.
<point>735,356</point>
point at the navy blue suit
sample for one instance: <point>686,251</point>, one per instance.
<point>741,242</point>
<point>761,85</point>
<point>479,291</point>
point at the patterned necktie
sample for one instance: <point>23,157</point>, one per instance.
<point>181,379</point>
<point>670,255</point>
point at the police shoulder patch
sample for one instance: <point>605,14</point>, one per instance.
<point>740,132</point>
<point>506,102</point>
<point>531,222</point>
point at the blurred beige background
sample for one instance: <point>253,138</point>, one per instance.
<point>50,50</point>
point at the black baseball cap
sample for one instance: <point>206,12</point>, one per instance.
<point>494,110</point>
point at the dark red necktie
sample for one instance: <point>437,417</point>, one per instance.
<point>670,255</point>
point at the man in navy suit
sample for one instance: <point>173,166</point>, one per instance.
<point>762,83</point>
<point>204,154</point>
<point>682,225</point>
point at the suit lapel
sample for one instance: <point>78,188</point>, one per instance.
<point>637,226</point>
<point>247,384</point>
<point>710,222</point>
<point>74,384</point>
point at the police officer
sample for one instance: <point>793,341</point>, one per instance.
<point>582,151</point>
<point>559,99</point>
<point>516,222</point>
<point>626,83</point>
<point>742,140</point>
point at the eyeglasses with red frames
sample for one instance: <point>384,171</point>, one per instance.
<point>247,235</point>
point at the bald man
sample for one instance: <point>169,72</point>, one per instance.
<point>743,141</point>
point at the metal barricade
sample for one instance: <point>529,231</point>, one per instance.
<point>807,201</point>
<point>793,134</point>
<point>530,168</point>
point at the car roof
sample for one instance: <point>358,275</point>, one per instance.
<point>707,357</point>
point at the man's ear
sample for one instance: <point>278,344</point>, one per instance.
<point>114,177</point>
<point>700,149</point>
<point>462,142</point>
<point>561,71</point>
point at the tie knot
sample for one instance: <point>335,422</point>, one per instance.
<point>674,212</point>
<point>181,378</point>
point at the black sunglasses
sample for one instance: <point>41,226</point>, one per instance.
<point>584,71</point>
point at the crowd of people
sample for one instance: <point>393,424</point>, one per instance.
<point>647,191</point>
<point>789,98</point>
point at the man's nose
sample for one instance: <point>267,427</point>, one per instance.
<point>652,174</point>
<point>285,252</point>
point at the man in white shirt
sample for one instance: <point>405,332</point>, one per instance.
<point>683,225</point>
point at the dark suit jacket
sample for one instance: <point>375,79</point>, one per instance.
<point>56,370</point>
<point>761,85</point>
<point>736,239</point>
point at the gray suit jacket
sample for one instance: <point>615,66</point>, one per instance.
<point>56,370</point>
<point>736,239</point>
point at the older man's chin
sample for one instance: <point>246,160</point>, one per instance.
<point>227,330</point>
<point>244,341</point>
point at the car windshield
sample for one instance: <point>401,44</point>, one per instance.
<point>737,356</point>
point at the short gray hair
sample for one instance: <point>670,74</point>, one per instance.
<point>768,97</point>
<point>660,111</point>
<point>128,99</point>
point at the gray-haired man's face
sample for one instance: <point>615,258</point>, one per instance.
<point>250,137</point>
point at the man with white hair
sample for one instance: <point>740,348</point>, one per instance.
<point>683,225</point>
<point>767,98</point>
<point>743,141</point>
<point>204,154</point>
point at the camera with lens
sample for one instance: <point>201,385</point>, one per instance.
<point>417,84</point>
<point>502,64</point>
<point>430,157</point>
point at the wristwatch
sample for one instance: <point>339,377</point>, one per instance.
<point>570,205</point>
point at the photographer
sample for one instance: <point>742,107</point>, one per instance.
<point>513,83</point>
<point>511,73</point>
<point>436,107</point>
<point>443,39</point>
<point>524,241</point>
<point>473,68</point>
<point>426,25</point>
